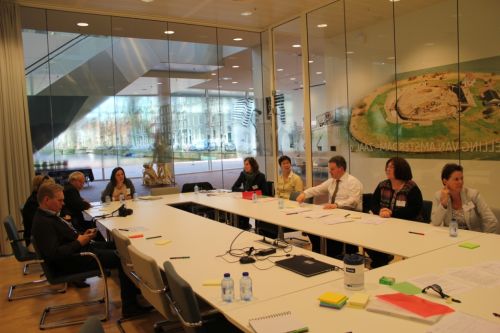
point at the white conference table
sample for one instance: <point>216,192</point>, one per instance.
<point>390,236</point>
<point>481,301</point>
<point>203,240</point>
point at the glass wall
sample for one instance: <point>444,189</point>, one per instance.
<point>418,79</point>
<point>289,96</point>
<point>106,91</point>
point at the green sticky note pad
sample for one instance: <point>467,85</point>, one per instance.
<point>469,245</point>
<point>406,288</point>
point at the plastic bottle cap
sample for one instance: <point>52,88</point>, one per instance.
<point>245,274</point>
<point>227,275</point>
<point>353,259</point>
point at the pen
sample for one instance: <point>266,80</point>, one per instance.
<point>346,215</point>
<point>416,233</point>
<point>496,314</point>
<point>123,229</point>
<point>184,257</point>
<point>152,237</point>
<point>291,213</point>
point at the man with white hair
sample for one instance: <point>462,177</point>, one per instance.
<point>74,204</point>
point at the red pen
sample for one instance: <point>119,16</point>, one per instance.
<point>416,233</point>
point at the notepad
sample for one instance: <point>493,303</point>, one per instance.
<point>469,245</point>
<point>278,323</point>
<point>358,300</point>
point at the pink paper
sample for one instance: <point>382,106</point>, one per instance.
<point>416,304</point>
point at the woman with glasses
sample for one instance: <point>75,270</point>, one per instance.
<point>397,196</point>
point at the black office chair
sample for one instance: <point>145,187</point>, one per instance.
<point>27,257</point>
<point>425,213</point>
<point>367,202</point>
<point>186,307</point>
<point>202,186</point>
<point>270,188</point>
<point>54,278</point>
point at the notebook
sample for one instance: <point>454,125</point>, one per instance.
<point>282,322</point>
<point>305,266</point>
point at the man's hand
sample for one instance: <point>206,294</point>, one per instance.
<point>330,206</point>
<point>91,233</point>
<point>84,239</point>
<point>300,199</point>
<point>385,212</point>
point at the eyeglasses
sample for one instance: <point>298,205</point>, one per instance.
<point>437,288</point>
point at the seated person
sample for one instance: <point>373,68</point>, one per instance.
<point>398,196</point>
<point>288,182</point>
<point>465,204</point>
<point>118,184</point>
<point>31,205</point>
<point>344,191</point>
<point>74,204</point>
<point>58,243</point>
<point>250,179</point>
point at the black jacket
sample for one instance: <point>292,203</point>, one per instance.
<point>259,183</point>
<point>74,205</point>
<point>28,211</point>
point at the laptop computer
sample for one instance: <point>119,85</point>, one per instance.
<point>305,266</point>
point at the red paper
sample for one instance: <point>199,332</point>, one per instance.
<point>249,194</point>
<point>416,304</point>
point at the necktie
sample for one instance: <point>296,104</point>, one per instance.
<point>337,181</point>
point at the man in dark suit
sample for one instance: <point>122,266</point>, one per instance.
<point>58,243</point>
<point>74,204</point>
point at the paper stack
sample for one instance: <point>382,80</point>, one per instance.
<point>358,300</point>
<point>332,300</point>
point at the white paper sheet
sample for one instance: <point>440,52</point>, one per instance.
<point>459,322</point>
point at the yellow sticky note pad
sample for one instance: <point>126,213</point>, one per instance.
<point>332,297</point>
<point>358,300</point>
<point>469,245</point>
<point>352,216</point>
<point>163,242</point>
<point>211,283</point>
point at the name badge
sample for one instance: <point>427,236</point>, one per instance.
<point>468,206</point>
<point>128,191</point>
<point>400,203</point>
<point>255,187</point>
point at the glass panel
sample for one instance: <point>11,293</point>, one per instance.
<point>289,98</point>
<point>328,87</point>
<point>428,94</point>
<point>370,61</point>
<point>480,77</point>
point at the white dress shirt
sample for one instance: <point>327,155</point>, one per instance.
<point>349,195</point>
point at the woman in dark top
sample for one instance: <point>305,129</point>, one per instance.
<point>398,196</point>
<point>118,184</point>
<point>31,205</point>
<point>250,179</point>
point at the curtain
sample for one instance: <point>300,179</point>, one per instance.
<point>16,159</point>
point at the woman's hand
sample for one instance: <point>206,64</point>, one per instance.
<point>385,212</point>
<point>445,195</point>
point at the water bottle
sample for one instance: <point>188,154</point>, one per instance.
<point>136,196</point>
<point>354,272</point>
<point>107,200</point>
<point>196,189</point>
<point>227,288</point>
<point>281,203</point>
<point>453,227</point>
<point>254,197</point>
<point>245,287</point>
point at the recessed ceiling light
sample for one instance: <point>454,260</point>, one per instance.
<point>293,79</point>
<point>234,82</point>
<point>226,78</point>
<point>429,44</point>
<point>247,13</point>
<point>159,82</point>
<point>322,25</point>
<point>237,39</point>
<point>169,32</point>
<point>394,0</point>
<point>147,1</point>
<point>319,73</point>
<point>349,52</point>
<point>311,61</point>
<point>235,66</point>
<point>251,88</point>
<point>296,45</point>
<point>391,58</point>
<point>279,70</point>
<point>213,74</point>
<point>82,24</point>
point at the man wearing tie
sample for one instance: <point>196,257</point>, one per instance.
<point>344,191</point>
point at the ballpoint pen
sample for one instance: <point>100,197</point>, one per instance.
<point>153,237</point>
<point>182,257</point>
<point>123,229</point>
<point>346,215</point>
<point>416,233</point>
